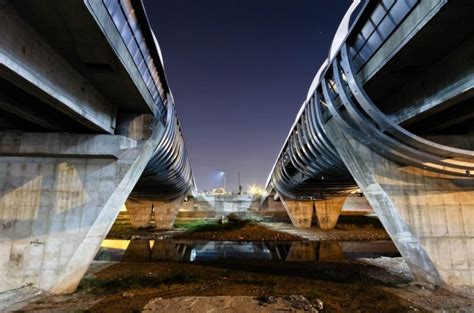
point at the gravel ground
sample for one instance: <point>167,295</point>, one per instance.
<point>343,232</point>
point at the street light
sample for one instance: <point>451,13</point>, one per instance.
<point>223,177</point>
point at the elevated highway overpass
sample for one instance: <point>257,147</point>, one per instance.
<point>389,116</point>
<point>87,121</point>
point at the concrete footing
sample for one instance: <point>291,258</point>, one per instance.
<point>166,212</point>
<point>328,211</point>
<point>299,211</point>
<point>139,212</point>
<point>429,216</point>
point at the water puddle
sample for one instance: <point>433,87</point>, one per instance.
<point>144,250</point>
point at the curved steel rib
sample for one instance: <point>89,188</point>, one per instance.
<point>310,164</point>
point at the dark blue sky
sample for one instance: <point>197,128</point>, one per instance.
<point>239,71</point>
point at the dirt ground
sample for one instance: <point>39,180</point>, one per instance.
<point>363,285</point>
<point>341,286</point>
<point>237,231</point>
<point>343,232</point>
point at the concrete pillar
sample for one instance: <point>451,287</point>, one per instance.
<point>139,212</point>
<point>299,211</point>
<point>166,212</point>
<point>59,196</point>
<point>328,211</point>
<point>429,216</point>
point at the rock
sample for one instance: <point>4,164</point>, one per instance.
<point>265,304</point>
<point>319,304</point>
<point>128,294</point>
<point>301,303</point>
<point>233,217</point>
<point>423,285</point>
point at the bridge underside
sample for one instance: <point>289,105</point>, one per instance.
<point>85,112</point>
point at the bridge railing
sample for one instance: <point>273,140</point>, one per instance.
<point>126,22</point>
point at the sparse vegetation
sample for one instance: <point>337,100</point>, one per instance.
<point>193,224</point>
<point>128,282</point>
<point>212,226</point>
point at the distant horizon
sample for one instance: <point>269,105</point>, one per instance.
<point>239,72</point>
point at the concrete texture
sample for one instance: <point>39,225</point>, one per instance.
<point>299,211</point>
<point>226,203</point>
<point>56,209</point>
<point>356,205</point>
<point>166,212</point>
<point>429,216</point>
<point>273,209</point>
<point>328,211</point>
<point>139,212</point>
<point>30,62</point>
<point>325,211</point>
<point>216,206</point>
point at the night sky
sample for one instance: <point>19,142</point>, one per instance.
<point>239,71</point>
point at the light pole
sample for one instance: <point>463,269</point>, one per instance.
<point>223,177</point>
<point>240,187</point>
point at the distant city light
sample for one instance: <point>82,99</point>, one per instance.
<point>257,191</point>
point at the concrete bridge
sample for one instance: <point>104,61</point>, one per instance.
<point>86,119</point>
<point>88,123</point>
<point>389,115</point>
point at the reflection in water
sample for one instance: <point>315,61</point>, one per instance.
<point>144,250</point>
<point>301,251</point>
<point>330,251</point>
<point>218,250</point>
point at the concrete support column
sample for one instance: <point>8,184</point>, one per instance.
<point>429,216</point>
<point>139,212</point>
<point>299,211</point>
<point>59,196</point>
<point>328,211</point>
<point>166,212</point>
